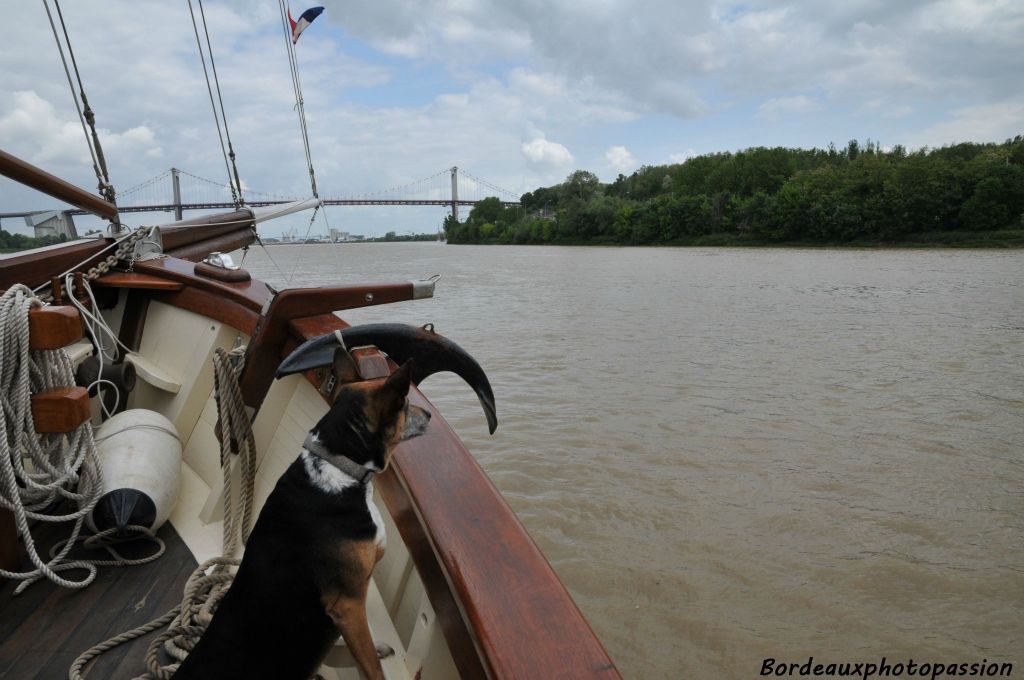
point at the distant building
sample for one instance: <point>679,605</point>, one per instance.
<point>340,236</point>
<point>52,223</point>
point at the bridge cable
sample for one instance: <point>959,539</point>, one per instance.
<point>234,194</point>
<point>99,163</point>
<point>487,184</point>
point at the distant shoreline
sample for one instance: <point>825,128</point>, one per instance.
<point>1001,238</point>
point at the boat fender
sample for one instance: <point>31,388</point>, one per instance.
<point>140,455</point>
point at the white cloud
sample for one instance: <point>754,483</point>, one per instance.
<point>33,127</point>
<point>620,159</point>
<point>984,123</point>
<point>542,152</point>
<point>886,108</point>
<point>396,90</point>
<point>777,107</point>
<point>682,157</point>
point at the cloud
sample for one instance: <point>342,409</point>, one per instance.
<point>542,152</point>
<point>682,157</point>
<point>620,159</point>
<point>776,107</point>
<point>397,90</point>
<point>983,123</point>
<point>34,128</point>
<point>886,108</point>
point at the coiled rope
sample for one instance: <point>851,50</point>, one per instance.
<point>60,466</point>
<point>211,580</point>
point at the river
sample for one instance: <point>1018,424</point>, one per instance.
<point>730,455</point>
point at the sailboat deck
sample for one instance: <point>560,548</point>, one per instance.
<point>45,628</point>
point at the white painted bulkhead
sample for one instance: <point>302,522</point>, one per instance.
<point>177,347</point>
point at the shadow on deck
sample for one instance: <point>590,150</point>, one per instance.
<point>45,628</point>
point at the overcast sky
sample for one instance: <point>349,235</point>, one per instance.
<point>519,93</point>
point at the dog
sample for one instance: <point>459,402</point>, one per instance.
<point>304,578</point>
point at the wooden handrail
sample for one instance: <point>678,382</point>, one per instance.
<point>268,342</point>
<point>40,180</point>
<point>39,265</point>
<point>504,612</point>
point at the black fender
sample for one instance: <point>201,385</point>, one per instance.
<point>430,351</point>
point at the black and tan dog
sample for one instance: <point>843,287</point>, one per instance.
<point>307,565</point>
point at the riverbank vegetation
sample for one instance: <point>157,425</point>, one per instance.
<point>10,243</point>
<point>966,194</point>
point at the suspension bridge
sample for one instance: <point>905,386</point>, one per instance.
<point>178,191</point>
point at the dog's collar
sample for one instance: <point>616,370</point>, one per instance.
<point>358,472</point>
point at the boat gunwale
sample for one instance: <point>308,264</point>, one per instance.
<point>503,610</point>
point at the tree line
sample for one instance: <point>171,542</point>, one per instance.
<point>861,193</point>
<point>12,242</point>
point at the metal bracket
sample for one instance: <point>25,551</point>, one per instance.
<point>222,260</point>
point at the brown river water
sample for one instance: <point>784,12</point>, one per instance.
<point>730,455</point>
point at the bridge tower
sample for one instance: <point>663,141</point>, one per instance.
<point>176,183</point>
<point>455,193</point>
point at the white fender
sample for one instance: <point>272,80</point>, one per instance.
<point>140,456</point>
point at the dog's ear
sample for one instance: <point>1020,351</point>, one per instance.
<point>344,367</point>
<point>391,395</point>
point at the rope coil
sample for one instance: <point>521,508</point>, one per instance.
<point>211,580</point>
<point>38,471</point>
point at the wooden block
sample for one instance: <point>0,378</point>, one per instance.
<point>371,363</point>
<point>54,327</point>
<point>137,281</point>
<point>60,410</point>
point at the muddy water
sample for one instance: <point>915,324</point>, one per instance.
<point>730,455</point>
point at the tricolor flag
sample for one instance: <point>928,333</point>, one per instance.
<point>304,20</point>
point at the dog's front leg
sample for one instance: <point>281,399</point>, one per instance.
<point>349,615</point>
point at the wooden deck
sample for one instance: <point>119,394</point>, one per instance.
<point>45,628</point>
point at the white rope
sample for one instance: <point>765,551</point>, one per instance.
<point>211,580</point>
<point>37,471</point>
<point>98,329</point>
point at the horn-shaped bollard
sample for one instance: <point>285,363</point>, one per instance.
<point>432,353</point>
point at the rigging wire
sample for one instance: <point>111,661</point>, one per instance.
<point>300,106</point>
<point>227,134</point>
<point>99,164</point>
<point>213,105</point>
<point>297,88</point>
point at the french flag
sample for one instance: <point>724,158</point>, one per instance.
<point>304,20</point>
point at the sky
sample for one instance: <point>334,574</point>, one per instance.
<point>518,93</point>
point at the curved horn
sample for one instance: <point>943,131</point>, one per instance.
<point>432,352</point>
